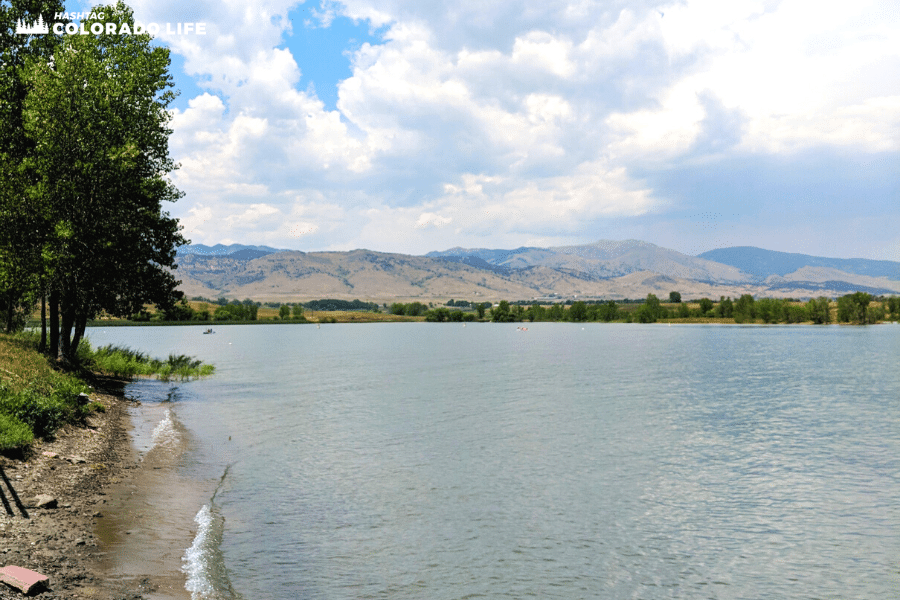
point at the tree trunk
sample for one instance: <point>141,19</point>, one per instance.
<point>9,311</point>
<point>65,333</point>
<point>80,324</point>
<point>43,347</point>
<point>54,323</point>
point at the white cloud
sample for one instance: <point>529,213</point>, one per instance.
<point>432,220</point>
<point>803,73</point>
<point>514,119</point>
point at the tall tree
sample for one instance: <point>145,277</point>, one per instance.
<point>98,117</point>
<point>23,219</point>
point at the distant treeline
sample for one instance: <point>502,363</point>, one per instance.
<point>852,308</point>
<point>182,311</point>
<point>341,305</point>
<point>859,307</point>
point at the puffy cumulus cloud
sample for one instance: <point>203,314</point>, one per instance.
<point>517,119</point>
<point>428,219</point>
<point>803,74</point>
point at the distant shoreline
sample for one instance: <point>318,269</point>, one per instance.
<point>210,324</point>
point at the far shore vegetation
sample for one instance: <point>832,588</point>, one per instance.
<point>858,308</point>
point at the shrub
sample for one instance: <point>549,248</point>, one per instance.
<point>42,413</point>
<point>14,433</point>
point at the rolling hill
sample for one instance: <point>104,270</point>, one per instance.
<point>602,270</point>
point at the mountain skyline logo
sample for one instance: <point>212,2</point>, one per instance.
<point>35,28</point>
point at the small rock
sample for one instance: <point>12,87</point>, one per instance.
<point>79,542</point>
<point>76,460</point>
<point>44,501</point>
<point>50,454</point>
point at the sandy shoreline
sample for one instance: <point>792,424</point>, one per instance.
<point>85,469</point>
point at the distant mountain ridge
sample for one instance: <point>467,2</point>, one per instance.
<point>222,250</point>
<point>763,263</point>
<point>606,259</point>
<point>605,269</point>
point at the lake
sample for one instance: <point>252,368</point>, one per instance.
<point>442,461</point>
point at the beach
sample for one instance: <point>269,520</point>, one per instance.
<point>85,469</point>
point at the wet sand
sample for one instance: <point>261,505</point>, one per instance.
<point>123,519</point>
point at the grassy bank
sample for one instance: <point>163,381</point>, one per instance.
<point>36,398</point>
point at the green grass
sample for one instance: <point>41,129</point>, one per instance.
<point>14,433</point>
<point>36,399</point>
<point>121,361</point>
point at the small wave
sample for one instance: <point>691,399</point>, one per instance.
<point>165,433</point>
<point>203,562</point>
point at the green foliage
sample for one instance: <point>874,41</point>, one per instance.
<point>855,308</point>
<point>298,312</point>
<point>501,313</point>
<point>653,306</point>
<point>875,313</point>
<point>438,315</point>
<point>44,404</point>
<point>14,433</point>
<point>536,312</point>
<point>644,314</point>
<point>674,297</point>
<point>180,311</point>
<point>892,307</point>
<point>819,310</point>
<point>236,311</point>
<point>25,256</point>
<point>578,312</point>
<point>480,308</point>
<point>284,311</point>
<point>413,309</point>
<point>121,361</point>
<point>609,311</point>
<point>744,309</point>
<point>683,311</point>
<point>93,174</point>
<point>332,304</point>
<point>795,313</point>
<point>42,414</point>
<point>706,306</point>
<point>770,310</point>
<point>648,312</point>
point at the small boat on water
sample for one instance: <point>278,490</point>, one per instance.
<point>208,331</point>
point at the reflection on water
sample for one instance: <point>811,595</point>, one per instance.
<point>588,461</point>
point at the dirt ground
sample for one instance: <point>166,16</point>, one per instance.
<point>77,468</point>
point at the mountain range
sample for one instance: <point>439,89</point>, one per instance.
<point>602,270</point>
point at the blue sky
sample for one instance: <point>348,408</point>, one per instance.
<point>397,125</point>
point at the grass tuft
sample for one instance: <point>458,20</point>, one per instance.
<point>121,361</point>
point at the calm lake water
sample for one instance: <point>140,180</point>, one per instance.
<point>438,461</point>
